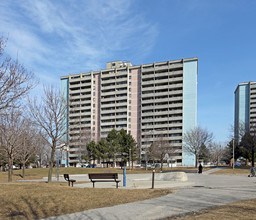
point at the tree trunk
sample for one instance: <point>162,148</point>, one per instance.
<point>10,164</point>
<point>51,162</point>
<point>162,162</point>
<point>23,169</point>
<point>196,160</point>
<point>40,161</point>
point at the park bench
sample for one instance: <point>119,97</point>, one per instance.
<point>66,177</point>
<point>104,177</point>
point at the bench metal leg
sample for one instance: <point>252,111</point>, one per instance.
<point>117,185</point>
<point>68,183</point>
<point>72,183</point>
<point>93,184</point>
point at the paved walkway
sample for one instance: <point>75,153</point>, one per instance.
<point>201,192</point>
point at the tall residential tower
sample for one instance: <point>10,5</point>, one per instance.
<point>245,107</point>
<point>148,101</point>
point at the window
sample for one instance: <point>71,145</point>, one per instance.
<point>130,101</point>
<point>130,77</point>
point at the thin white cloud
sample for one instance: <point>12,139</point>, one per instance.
<point>74,36</point>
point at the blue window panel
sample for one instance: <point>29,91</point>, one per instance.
<point>65,95</point>
<point>189,105</point>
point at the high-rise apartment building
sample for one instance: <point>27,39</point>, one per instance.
<point>148,101</point>
<point>245,107</point>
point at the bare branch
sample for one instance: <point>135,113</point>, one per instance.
<point>15,80</point>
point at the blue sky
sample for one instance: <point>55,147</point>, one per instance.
<point>54,38</point>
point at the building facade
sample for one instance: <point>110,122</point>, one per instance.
<point>245,108</point>
<point>148,101</point>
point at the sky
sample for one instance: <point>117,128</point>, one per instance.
<point>60,37</point>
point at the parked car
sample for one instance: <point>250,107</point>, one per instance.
<point>85,165</point>
<point>138,166</point>
<point>157,165</point>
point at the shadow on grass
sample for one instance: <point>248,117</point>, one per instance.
<point>28,209</point>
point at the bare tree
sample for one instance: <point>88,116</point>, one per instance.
<point>161,149</point>
<point>193,139</point>
<point>217,152</point>
<point>11,131</point>
<point>42,149</point>
<point>28,145</point>
<point>15,80</point>
<point>82,138</point>
<point>50,115</point>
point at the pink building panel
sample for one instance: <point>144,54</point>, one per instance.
<point>96,102</point>
<point>135,101</point>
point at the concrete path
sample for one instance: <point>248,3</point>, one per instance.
<point>203,191</point>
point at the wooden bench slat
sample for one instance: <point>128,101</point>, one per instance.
<point>104,177</point>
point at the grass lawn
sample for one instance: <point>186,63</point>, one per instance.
<point>39,173</point>
<point>231,171</point>
<point>41,200</point>
<point>238,210</point>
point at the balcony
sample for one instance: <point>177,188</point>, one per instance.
<point>107,93</point>
<point>147,88</point>
<point>107,105</point>
<point>121,86</point>
<point>86,90</point>
<point>75,85</point>
<point>148,82</point>
<point>174,79</point>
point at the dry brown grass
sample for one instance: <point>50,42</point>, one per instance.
<point>239,210</point>
<point>40,200</point>
<point>230,171</point>
<point>39,173</point>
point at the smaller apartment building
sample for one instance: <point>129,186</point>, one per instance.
<point>148,101</point>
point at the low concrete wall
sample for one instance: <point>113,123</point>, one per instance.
<point>175,176</point>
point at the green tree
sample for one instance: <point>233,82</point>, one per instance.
<point>247,144</point>
<point>102,147</point>
<point>93,152</point>
<point>204,153</point>
<point>113,140</point>
<point>128,147</point>
<point>228,155</point>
